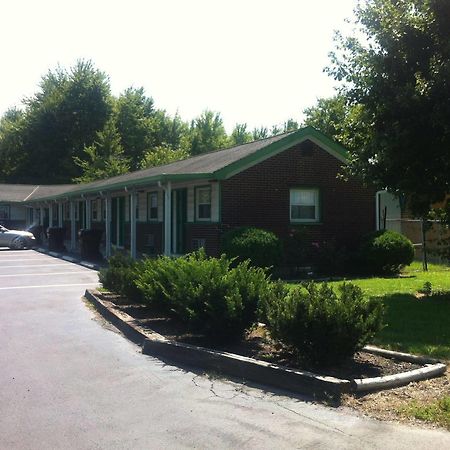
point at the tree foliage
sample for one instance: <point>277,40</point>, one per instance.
<point>207,133</point>
<point>74,129</point>
<point>395,71</point>
<point>104,158</point>
<point>161,155</point>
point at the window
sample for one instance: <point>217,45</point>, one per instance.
<point>152,206</point>
<point>4,212</point>
<point>203,203</point>
<point>304,205</point>
<point>94,209</point>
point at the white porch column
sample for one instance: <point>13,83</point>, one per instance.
<point>167,218</point>
<point>73,241</point>
<point>108,226</point>
<point>88,214</point>
<point>133,224</point>
<point>60,215</point>
<point>50,215</point>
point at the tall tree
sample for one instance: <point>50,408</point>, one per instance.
<point>207,133</point>
<point>11,155</point>
<point>135,123</point>
<point>397,71</point>
<point>104,158</point>
<point>60,120</point>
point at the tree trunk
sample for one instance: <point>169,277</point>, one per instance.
<point>424,245</point>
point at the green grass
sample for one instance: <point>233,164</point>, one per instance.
<point>437,412</point>
<point>420,326</point>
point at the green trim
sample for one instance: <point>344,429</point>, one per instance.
<point>196,219</point>
<point>150,220</point>
<point>299,136</point>
<point>319,221</point>
<point>332,147</point>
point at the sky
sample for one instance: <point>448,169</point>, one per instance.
<point>258,62</point>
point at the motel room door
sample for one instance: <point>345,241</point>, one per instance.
<point>118,221</point>
<point>179,219</point>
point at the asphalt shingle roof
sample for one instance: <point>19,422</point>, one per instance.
<point>25,192</point>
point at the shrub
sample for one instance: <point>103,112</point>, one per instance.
<point>120,276</point>
<point>386,252</point>
<point>263,248</point>
<point>207,294</point>
<point>323,327</point>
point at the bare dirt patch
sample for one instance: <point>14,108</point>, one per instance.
<point>391,404</point>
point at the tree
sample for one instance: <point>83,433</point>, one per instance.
<point>290,125</point>
<point>10,143</point>
<point>161,155</point>
<point>58,122</point>
<point>260,133</point>
<point>135,123</point>
<point>397,73</point>
<point>104,158</point>
<point>207,133</point>
<point>336,118</point>
<point>240,135</point>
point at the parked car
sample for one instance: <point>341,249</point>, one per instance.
<point>15,239</point>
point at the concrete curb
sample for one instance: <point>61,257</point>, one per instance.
<point>400,379</point>
<point>258,371</point>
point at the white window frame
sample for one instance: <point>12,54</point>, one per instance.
<point>316,204</point>
<point>197,203</point>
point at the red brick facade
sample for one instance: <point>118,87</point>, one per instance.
<point>259,196</point>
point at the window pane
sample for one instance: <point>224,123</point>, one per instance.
<point>153,206</point>
<point>204,195</point>
<point>204,211</point>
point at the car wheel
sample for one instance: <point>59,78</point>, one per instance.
<point>19,244</point>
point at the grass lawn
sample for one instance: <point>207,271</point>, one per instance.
<point>420,326</point>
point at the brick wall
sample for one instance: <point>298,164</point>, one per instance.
<point>210,232</point>
<point>259,196</point>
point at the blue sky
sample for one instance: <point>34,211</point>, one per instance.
<point>256,62</point>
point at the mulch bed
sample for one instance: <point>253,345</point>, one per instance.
<point>256,344</point>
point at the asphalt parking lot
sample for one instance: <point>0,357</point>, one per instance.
<point>69,381</point>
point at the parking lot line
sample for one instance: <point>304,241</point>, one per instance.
<point>47,286</point>
<point>21,260</point>
<point>34,265</point>
<point>70,272</point>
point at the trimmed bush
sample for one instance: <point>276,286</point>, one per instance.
<point>120,276</point>
<point>322,327</point>
<point>207,294</point>
<point>263,248</point>
<point>386,252</point>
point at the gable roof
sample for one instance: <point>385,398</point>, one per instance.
<point>219,164</point>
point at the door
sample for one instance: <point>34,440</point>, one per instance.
<point>179,218</point>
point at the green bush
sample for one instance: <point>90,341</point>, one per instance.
<point>208,294</point>
<point>120,276</point>
<point>263,248</point>
<point>386,252</point>
<point>323,327</point>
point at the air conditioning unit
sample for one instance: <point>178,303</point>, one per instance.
<point>198,243</point>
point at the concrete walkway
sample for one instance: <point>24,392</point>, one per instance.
<point>69,382</point>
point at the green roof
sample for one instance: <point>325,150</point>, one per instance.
<point>220,164</point>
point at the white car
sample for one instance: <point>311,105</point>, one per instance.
<point>15,239</point>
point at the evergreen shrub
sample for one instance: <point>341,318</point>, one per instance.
<point>263,248</point>
<point>321,326</point>
<point>386,252</point>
